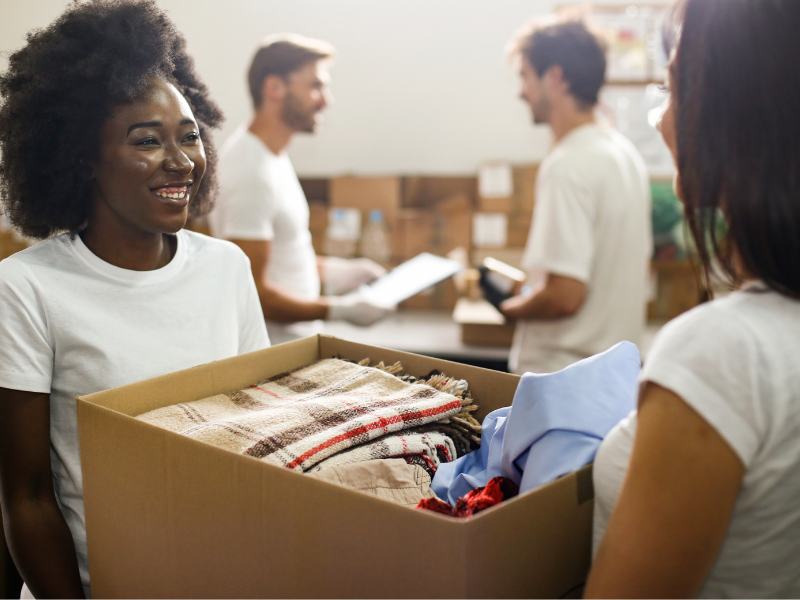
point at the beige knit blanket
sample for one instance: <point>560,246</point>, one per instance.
<point>299,419</point>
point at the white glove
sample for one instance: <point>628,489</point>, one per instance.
<point>356,309</point>
<point>342,275</point>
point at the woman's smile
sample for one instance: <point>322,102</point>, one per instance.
<point>173,194</point>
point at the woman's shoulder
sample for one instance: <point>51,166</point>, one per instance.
<point>212,250</point>
<point>752,313</point>
<point>744,335</point>
<point>27,263</point>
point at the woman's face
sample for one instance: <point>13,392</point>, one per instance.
<point>151,162</point>
<point>666,125</point>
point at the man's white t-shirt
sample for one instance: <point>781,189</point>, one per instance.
<point>72,324</point>
<point>259,199</point>
<point>735,362</point>
<point>592,223</point>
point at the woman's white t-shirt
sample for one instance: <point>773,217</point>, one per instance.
<point>73,324</point>
<point>736,361</point>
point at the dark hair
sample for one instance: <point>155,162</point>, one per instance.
<point>59,90</point>
<point>737,83</point>
<point>570,44</point>
<point>282,55</point>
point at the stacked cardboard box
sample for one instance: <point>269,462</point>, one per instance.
<point>436,218</point>
<point>11,243</point>
<point>428,214</point>
<point>676,289</point>
<point>482,324</point>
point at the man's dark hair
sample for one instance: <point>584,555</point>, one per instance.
<point>282,55</point>
<point>570,44</point>
<point>62,86</point>
<point>738,134</point>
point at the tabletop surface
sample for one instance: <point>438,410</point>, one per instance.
<point>428,332</point>
<point>434,333</point>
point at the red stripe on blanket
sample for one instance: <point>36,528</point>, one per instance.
<point>360,430</point>
<point>273,394</point>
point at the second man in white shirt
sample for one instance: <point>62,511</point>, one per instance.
<point>263,209</point>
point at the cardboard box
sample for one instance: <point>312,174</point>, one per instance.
<point>366,194</point>
<point>525,188</point>
<point>168,516</point>
<point>495,205</point>
<point>317,225</point>
<point>482,324</point>
<point>519,226</point>
<point>315,189</point>
<point>428,191</point>
<point>418,231</point>
<point>510,256</point>
<point>442,296</point>
<point>677,289</point>
<point>11,243</point>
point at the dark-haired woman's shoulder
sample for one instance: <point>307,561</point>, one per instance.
<point>734,360</point>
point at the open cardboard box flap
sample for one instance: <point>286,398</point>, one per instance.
<point>168,516</point>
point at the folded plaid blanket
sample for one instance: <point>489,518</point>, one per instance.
<point>299,419</point>
<point>426,445</point>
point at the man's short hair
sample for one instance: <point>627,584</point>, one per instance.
<point>571,44</point>
<point>282,55</point>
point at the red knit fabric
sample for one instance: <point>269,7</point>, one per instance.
<point>494,492</point>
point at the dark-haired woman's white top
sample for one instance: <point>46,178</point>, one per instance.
<point>736,362</point>
<point>73,324</point>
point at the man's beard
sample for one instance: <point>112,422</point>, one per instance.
<point>296,116</point>
<point>541,110</point>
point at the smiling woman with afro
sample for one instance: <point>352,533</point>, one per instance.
<point>60,89</point>
<point>105,154</point>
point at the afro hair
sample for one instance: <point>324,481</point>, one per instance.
<point>59,90</point>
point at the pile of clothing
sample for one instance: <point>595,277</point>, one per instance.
<point>333,413</point>
<point>412,440</point>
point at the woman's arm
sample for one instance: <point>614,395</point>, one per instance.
<point>674,508</point>
<point>37,534</point>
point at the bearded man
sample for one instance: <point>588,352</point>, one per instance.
<point>588,251</point>
<point>262,208</point>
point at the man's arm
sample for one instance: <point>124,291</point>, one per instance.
<point>675,506</point>
<point>38,537</point>
<point>277,304</point>
<point>560,297</point>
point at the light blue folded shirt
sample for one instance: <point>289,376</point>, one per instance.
<point>553,427</point>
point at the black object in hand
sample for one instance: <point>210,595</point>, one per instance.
<point>494,295</point>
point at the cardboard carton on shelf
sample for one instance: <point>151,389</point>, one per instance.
<point>317,225</point>
<point>525,188</point>
<point>366,194</point>
<point>510,256</point>
<point>442,296</point>
<point>168,516</point>
<point>426,192</point>
<point>482,324</point>
<point>418,231</point>
<point>676,289</point>
<point>519,226</point>
<point>316,189</point>
<point>11,243</point>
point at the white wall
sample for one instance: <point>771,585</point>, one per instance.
<point>420,86</point>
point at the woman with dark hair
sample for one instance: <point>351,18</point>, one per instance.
<point>697,493</point>
<point>104,141</point>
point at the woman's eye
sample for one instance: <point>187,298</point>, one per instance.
<point>192,137</point>
<point>150,141</point>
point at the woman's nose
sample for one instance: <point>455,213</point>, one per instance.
<point>177,160</point>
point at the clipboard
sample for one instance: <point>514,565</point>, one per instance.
<point>410,278</point>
